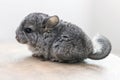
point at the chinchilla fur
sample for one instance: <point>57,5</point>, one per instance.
<point>50,38</point>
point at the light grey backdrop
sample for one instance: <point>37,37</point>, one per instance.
<point>93,16</point>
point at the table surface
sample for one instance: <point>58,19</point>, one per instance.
<point>16,63</point>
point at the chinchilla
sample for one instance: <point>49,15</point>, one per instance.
<point>50,38</point>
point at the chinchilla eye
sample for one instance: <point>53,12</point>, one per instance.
<point>28,30</point>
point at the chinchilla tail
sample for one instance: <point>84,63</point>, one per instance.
<point>102,47</point>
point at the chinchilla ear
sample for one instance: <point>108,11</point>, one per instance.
<point>51,22</point>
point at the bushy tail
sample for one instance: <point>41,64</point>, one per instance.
<point>102,47</point>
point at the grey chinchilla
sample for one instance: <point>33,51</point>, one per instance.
<point>50,38</point>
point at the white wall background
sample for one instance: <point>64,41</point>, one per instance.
<point>106,14</point>
<point>13,11</point>
<point>92,16</point>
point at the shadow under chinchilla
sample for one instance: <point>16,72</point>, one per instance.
<point>36,63</point>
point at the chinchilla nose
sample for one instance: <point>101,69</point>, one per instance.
<point>17,38</point>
